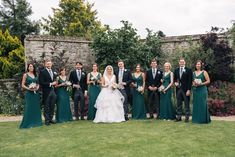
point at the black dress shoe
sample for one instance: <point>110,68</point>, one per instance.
<point>76,118</point>
<point>82,118</point>
<point>178,120</point>
<point>47,123</point>
<point>52,122</point>
<point>151,117</point>
<point>186,120</point>
<point>126,118</point>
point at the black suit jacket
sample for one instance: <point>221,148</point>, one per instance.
<point>74,80</point>
<point>185,81</point>
<point>45,79</point>
<point>126,78</point>
<point>150,81</point>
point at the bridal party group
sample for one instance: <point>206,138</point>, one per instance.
<point>115,94</point>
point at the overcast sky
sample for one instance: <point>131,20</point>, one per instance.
<point>173,17</point>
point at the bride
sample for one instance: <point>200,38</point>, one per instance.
<point>109,102</point>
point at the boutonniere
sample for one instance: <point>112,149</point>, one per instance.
<point>184,70</point>
<point>83,73</point>
<point>125,70</point>
<point>159,72</point>
<point>55,73</point>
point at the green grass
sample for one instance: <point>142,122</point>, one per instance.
<point>151,138</point>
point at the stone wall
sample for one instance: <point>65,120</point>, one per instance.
<point>9,86</point>
<point>66,51</point>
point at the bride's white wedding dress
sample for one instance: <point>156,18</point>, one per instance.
<point>109,103</point>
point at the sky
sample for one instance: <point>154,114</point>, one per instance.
<point>173,17</point>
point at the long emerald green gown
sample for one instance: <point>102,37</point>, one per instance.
<point>63,111</point>
<point>138,107</point>
<point>167,110</point>
<point>32,111</point>
<point>200,108</point>
<point>93,92</point>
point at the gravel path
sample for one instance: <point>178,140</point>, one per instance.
<point>19,118</point>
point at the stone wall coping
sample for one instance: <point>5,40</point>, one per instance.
<point>56,38</point>
<point>167,39</point>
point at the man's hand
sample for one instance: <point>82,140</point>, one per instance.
<point>188,93</point>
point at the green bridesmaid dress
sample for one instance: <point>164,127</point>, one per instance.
<point>63,111</point>
<point>93,92</point>
<point>167,110</point>
<point>32,111</point>
<point>138,107</point>
<point>200,108</point>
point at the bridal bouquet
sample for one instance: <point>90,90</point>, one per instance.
<point>33,86</point>
<point>114,86</point>
<point>161,89</point>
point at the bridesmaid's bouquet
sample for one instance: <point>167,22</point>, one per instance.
<point>68,83</point>
<point>33,86</point>
<point>94,79</point>
<point>198,81</point>
<point>140,89</point>
<point>68,86</point>
<point>161,89</point>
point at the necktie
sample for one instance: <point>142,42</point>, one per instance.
<point>79,75</point>
<point>181,72</point>
<point>51,74</point>
<point>154,73</point>
<point>120,76</point>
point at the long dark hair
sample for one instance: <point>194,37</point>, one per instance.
<point>34,69</point>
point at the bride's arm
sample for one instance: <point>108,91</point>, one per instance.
<point>103,82</point>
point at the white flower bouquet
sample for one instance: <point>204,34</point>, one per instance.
<point>140,89</point>
<point>161,88</point>
<point>33,86</point>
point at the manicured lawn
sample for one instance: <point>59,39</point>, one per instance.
<point>152,138</point>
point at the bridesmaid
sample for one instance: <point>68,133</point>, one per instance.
<point>94,81</point>
<point>138,82</point>
<point>200,108</point>
<point>63,112</point>
<point>32,111</point>
<point>167,111</point>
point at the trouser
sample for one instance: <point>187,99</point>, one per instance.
<point>154,101</point>
<point>79,96</point>
<point>49,100</point>
<point>181,96</point>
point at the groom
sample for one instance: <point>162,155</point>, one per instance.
<point>78,79</point>
<point>153,82</point>
<point>47,80</point>
<point>123,79</point>
<point>183,82</point>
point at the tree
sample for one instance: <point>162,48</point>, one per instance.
<point>11,55</point>
<point>14,16</point>
<point>223,56</point>
<point>72,18</point>
<point>124,43</point>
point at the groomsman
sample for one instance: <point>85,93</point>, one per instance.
<point>183,82</point>
<point>78,78</point>
<point>47,80</point>
<point>153,82</point>
<point>123,79</point>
